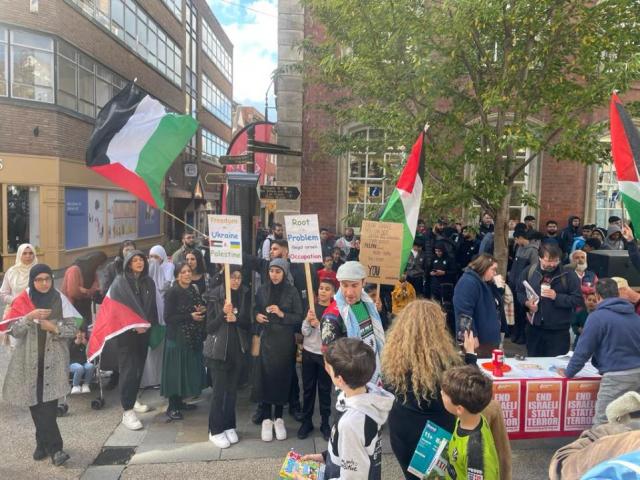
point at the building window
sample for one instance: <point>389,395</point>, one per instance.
<point>175,6</point>
<point>370,179</point>
<point>23,214</point>
<point>216,52</point>
<point>215,101</point>
<point>608,198</point>
<point>517,208</point>
<point>131,24</point>
<point>31,66</point>
<point>212,145</point>
<point>84,85</point>
<point>4,62</point>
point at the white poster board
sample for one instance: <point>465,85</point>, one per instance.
<point>303,235</point>
<point>225,232</point>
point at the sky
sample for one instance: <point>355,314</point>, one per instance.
<point>252,26</point>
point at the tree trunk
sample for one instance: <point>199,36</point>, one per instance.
<point>501,233</point>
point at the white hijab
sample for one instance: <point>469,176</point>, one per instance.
<point>18,275</point>
<point>162,274</point>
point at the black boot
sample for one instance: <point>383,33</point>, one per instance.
<point>305,429</point>
<point>39,453</point>
<point>325,428</point>
<point>258,415</point>
<point>296,412</point>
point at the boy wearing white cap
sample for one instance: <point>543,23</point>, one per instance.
<point>353,314</point>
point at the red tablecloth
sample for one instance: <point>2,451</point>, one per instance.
<point>538,403</point>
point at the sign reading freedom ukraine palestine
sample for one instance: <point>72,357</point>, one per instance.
<point>225,232</point>
<point>303,236</point>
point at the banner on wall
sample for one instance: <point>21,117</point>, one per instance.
<point>76,232</point>
<point>148,220</point>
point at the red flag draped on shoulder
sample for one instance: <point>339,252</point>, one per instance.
<point>120,311</point>
<point>20,306</point>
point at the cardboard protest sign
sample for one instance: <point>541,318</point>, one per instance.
<point>303,235</point>
<point>543,406</point>
<point>381,251</point>
<point>225,232</point>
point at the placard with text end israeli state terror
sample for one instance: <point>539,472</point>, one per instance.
<point>225,232</point>
<point>381,251</point>
<point>303,235</point>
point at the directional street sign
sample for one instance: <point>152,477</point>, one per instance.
<point>215,178</point>
<point>279,192</point>
<point>236,159</point>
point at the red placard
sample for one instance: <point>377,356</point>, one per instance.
<point>580,405</point>
<point>543,406</point>
<point>507,393</point>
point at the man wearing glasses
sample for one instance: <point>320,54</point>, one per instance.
<point>549,316</point>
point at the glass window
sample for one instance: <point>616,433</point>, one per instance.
<point>32,66</point>
<point>212,145</point>
<point>23,209</point>
<point>216,52</point>
<point>67,83</point>
<point>4,62</point>
<point>86,92</point>
<point>608,197</point>
<point>175,6</point>
<point>215,101</point>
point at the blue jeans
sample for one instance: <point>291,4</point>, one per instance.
<point>81,372</point>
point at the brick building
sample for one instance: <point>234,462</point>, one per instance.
<point>60,62</point>
<point>355,183</point>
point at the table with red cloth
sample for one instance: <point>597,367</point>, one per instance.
<point>538,403</point>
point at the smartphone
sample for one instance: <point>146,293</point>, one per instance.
<point>464,325</point>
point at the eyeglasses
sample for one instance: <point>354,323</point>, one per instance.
<point>43,280</point>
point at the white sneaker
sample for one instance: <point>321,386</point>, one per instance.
<point>267,430</point>
<point>231,435</point>
<point>281,431</point>
<point>220,440</point>
<point>76,390</point>
<point>140,407</point>
<point>86,388</point>
<point>130,420</point>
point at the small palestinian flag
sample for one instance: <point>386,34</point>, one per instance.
<point>135,141</point>
<point>403,205</point>
<point>22,305</point>
<point>625,150</point>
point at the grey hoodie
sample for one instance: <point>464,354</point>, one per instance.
<point>614,244</point>
<point>354,451</point>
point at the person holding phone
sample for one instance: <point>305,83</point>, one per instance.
<point>183,366</point>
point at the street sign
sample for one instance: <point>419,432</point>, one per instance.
<point>236,159</point>
<point>279,192</point>
<point>215,178</point>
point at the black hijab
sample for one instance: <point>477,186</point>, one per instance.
<point>49,299</point>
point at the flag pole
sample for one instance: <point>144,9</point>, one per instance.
<point>185,223</point>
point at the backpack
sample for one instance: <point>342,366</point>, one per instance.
<point>532,269</point>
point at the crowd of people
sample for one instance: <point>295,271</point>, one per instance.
<point>402,355</point>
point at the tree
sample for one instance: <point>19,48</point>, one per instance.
<point>491,77</point>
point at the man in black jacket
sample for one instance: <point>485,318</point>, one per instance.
<point>549,317</point>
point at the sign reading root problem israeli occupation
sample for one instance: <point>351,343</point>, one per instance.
<point>226,239</point>
<point>381,251</point>
<point>303,236</point>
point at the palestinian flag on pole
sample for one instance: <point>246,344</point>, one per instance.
<point>135,141</point>
<point>22,305</point>
<point>625,150</point>
<point>403,205</point>
<point>120,311</point>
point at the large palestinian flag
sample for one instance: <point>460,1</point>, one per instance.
<point>120,311</point>
<point>135,141</point>
<point>625,150</point>
<point>403,205</point>
<point>22,305</point>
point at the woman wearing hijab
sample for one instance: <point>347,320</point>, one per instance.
<point>279,312</point>
<point>183,366</point>
<point>38,373</point>
<point>228,323</point>
<point>195,260</point>
<point>136,290</point>
<point>80,283</point>
<point>16,278</point>
<point>161,272</point>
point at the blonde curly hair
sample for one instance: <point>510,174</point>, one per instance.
<point>418,349</point>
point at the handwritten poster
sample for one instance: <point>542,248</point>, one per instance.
<point>580,407</point>
<point>508,395</point>
<point>303,235</point>
<point>381,251</point>
<point>226,239</point>
<point>543,406</point>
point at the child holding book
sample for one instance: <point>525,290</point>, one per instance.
<point>314,375</point>
<point>472,454</point>
<point>354,451</point>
